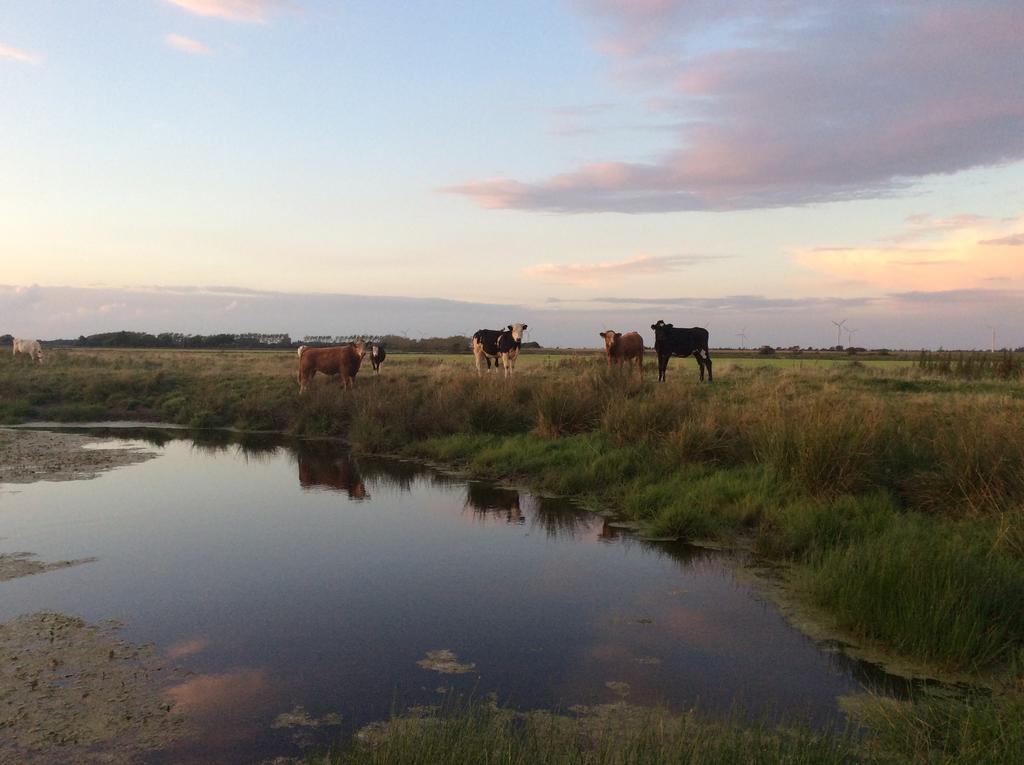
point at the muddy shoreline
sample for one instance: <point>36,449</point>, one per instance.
<point>27,456</point>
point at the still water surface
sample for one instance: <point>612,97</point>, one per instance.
<point>287,573</point>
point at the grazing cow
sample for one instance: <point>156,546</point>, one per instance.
<point>670,341</point>
<point>502,344</point>
<point>341,360</point>
<point>377,356</point>
<point>621,348</point>
<point>30,348</point>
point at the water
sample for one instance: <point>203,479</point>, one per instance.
<point>286,573</point>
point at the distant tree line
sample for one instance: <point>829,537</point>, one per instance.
<point>258,340</point>
<point>126,339</point>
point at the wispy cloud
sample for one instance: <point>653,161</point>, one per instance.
<point>799,103</point>
<point>593,273</point>
<point>1013,240</point>
<point>17,54</point>
<point>186,44</point>
<point>931,254</point>
<point>249,11</point>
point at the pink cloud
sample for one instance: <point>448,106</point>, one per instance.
<point>593,273</point>
<point>250,11</point>
<point>186,44</point>
<point>799,103</point>
<point>1013,240</point>
<point>961,252</point>
<point>17,54</point>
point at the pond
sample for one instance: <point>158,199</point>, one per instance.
<point>284,574</point>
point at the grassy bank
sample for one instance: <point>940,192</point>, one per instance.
<point>893,495</point>
<point>937,733</point>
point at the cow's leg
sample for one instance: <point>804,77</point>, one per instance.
<point>479,367</point>
<point>640,365</point>
<point>700,363</point>
<point>707,361</point>
<point>662,366</point>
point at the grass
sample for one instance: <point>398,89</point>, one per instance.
<point>893,494</point>
<point>618,734</point>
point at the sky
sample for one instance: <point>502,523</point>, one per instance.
<point>430,168</point>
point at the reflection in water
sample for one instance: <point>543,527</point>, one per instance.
<point>557,517</point>
<point>335,609</point>
<point>486,500</point>
<point>338,473</point>
<point>560,517</point>
<point>187,647</point>
<point>208,696</point>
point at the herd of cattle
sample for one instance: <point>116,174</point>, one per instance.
<point>501,345</point>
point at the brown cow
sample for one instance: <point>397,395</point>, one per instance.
<point>341,360</point>
<point>624,347</point>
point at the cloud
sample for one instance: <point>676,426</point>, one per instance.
<point>930,255</point>
<point>796,103</point>
<point>896,317</point>
<point>17,54</point>
<point>1013,240</point>
<point>249,11</point>
<point>923,226</point>
<point>186,44</point>
<point>591,273</point>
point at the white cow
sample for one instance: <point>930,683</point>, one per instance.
<point>30,348</point>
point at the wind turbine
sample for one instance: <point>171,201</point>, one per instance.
<point>850,333</point>
<point>742,335</point>
<point>992,327</point>
<point>839,332</point>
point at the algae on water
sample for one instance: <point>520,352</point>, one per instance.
<point>446,662</point>
<point>74,692</point>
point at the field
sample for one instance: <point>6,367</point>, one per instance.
<point>888,499</point>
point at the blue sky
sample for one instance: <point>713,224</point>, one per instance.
<point>585,162</point>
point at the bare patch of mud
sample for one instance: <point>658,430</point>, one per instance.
<point>27,456</point>
<point>75,692</point>
<point>18,564</point>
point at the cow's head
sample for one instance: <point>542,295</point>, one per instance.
<point>660,325</point>
<point>374,351</point>
<point>360,348</point>
<point>517,331</point>
<point>610,337</point>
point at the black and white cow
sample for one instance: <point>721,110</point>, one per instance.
<point>377,356</point>
<point>502,344</point>
<point>692,341</point>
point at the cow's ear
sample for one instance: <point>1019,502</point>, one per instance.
<point>654,327</point>
<point>510,326</point>
<point>525,326</point>
<point>618,335</point>
<point>668,326</point>
<point>600,334</point>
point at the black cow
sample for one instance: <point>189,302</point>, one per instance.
<point>669,341</point>
<point>502,344</point>
<point>377,356</point>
